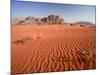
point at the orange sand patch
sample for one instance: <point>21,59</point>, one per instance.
<point>50,48</point>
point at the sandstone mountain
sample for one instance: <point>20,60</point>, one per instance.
<point>51,19</point>
<point>84,23</point>
<point>16,20</point>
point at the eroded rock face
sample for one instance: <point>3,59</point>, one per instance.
<point>38,21</point>
<point>61,21</point>
<point>30,19</point>
<point>57,19</point>
<point>44,19</point>
<point>51,19</point>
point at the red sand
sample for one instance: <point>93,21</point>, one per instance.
<point>52,48</point>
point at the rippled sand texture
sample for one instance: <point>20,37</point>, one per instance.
<point>50,48</point>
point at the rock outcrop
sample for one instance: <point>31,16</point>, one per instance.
<point>16,20</point>
<point>51,19</point>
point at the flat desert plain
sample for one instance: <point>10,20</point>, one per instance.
<point>52,48</point>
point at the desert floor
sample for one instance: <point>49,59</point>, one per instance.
<point>50,48</point>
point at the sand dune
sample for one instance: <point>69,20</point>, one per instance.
<point>52,48</point>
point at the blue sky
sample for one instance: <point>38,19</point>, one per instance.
<point>70,13</point>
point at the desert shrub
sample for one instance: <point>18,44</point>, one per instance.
<point>23,40</point>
